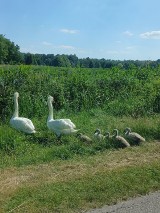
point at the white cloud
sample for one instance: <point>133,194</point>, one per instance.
<point>130,47</point>
<point>46,43</point>
<point>128,33</point>
<point>67,47</point>
<point>112,52</point>
<point>151,35</point>
<point>69,31</point>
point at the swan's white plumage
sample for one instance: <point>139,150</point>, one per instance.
<point>20,123</point>
<point>59,126</point>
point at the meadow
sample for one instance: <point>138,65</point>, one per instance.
<point>40,175</point>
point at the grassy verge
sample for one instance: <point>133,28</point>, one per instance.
<point>18,149</point>
<point>38,175</point>
<point>82,183</point>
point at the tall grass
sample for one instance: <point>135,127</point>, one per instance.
<point>133,92</point>
<point>92,98</point>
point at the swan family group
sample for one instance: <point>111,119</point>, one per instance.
<point>134,137</point>
<point>66,126</point>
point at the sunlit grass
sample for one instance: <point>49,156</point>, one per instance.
<point>38,174</point>
<point>85,183</point>
<point>18,149</point>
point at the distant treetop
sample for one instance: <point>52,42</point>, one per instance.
<point>10,54</point>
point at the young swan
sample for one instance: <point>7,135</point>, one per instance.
<point>120,138</point>
<point>135,137</point>
<point>98,135</point>
<point>84,138</point>
<point>108,135</point>
<point>110,142</point>
<point>22,124</point>
<point>59,126</point>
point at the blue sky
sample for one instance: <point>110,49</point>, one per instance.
<point>110,29</point>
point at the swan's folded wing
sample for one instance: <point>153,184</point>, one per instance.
<point>69,131</point>
<point>60,127</point>
<point>60,124</point>
<point>22,124</point>
<point>29,122</point>
<point>68,121</point>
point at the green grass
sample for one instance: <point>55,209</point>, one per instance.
<point>18,149</point>
<point>89,191</point>
<point>40,175</point>
<point>133,92</point>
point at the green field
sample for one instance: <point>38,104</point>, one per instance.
<point>40,175</point>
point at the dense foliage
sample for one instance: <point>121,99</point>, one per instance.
<point>74,61</point>
<point>118,91</point>
<point>9,52</point>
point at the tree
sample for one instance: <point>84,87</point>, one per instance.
<point>61,61</point>
<point>73,60</point>
<point>3,50</point>
<point>28,59</point>
<point>9,52</point>
<point>14,56</point>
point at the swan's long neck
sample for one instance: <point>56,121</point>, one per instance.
<point>128,131</point>
<point>50,107</point>
<point>116,132</point>
<point>98,131</point>
<point>15,114</point>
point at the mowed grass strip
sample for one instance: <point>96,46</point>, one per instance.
<point>88,192</point>
<point>80,184</point>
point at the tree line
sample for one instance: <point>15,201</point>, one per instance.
<point>10,54</point>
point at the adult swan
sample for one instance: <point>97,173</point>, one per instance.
<point>59,126</point>
<point>20,123</point>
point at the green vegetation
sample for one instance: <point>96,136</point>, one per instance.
<point>10,54</point>
<point>40,175</point>
<point>18,149</point>
<point>81,183</point>
<point>92,98</point>
<point>134,92</point>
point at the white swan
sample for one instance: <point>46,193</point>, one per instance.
<point>59,126</point>
<point>20,123</point>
